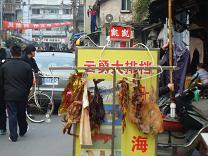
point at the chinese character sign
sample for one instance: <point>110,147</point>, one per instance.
<point>139,143</point>
<point>119,32</point>
<point>117,58</point>
<point>118,63</point>
<point>131,142</point>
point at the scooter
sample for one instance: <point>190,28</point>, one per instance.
<point>189,120</point>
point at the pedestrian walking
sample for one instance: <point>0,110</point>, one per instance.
<point>8,52</point>
<point>3,56</point>
<point>16,78</point>
<point>2,111</point>
<point>28,56</point>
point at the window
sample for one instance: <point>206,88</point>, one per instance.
<point>66,11</point>
<point>50,11</point>
<point>35,11</point>
<point>126,5</point>
<point>53,11</point>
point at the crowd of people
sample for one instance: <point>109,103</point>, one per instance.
<point>16,78</point>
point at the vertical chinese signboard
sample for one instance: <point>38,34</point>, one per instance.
<point>132,142</point>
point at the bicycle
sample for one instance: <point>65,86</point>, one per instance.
<point>40,105</point>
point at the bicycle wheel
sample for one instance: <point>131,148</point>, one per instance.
<point>39,108</point>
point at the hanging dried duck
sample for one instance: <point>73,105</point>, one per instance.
<point>74,110</point>
<point>70,92</point>
<point>136,101</point>
<point>97,111</point>
<point>151,117</point>
<point>124,100</point>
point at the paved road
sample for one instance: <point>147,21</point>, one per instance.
<point>45,139</point>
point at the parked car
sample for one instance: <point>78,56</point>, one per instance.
<point>54,80</point>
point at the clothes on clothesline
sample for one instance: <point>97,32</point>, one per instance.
<point>93,14</point>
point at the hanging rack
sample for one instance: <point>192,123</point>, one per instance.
<point>114,90</point>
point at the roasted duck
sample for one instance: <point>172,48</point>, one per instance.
<point>151,117</point>
<point>74,110</point>
<point>70,92</point>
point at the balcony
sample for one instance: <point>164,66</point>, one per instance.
<point>9,8</point>
<point>48,33</point>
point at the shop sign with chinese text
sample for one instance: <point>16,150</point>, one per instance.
<point>119,33</point>
<point>132,142</point>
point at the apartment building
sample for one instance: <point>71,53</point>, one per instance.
<point>51,11</point>
<point>10,8</point>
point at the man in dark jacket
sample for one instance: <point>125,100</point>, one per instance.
<point>3,56</point>
<point>29,54</point>
<point>16,77</point>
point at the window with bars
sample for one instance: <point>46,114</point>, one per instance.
<point>36,11</point>
<point>126,5</point>
<point>67,11</point>
<point>18,1</point>
<point>50,11</point>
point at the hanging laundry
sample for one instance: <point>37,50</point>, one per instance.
<point>93,13</point>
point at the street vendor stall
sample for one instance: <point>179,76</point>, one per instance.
<point>124,129</point>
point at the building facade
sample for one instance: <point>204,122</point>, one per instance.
<point>10,8</point>
<point>51,11</point>
<point>108,11</point>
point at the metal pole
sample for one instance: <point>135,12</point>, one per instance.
<point>123,67</point>
<point>113,112</point>
<point>74,16</point>
<point>74,140</point>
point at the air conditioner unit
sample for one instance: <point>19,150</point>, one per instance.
<point>109,18</point>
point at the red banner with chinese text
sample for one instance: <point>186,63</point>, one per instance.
<point>119,32</point>
<point>19,25</point>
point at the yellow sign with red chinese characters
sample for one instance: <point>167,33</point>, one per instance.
<point>130,142</point>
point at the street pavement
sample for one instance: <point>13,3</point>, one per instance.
<point>44,139</point>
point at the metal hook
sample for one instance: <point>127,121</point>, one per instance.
<point>84,75</point>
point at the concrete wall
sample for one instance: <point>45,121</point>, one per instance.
<point>113,8</point>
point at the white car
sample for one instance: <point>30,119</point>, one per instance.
<point>54,80</point>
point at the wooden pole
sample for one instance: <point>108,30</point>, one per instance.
<point>170,39</point>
